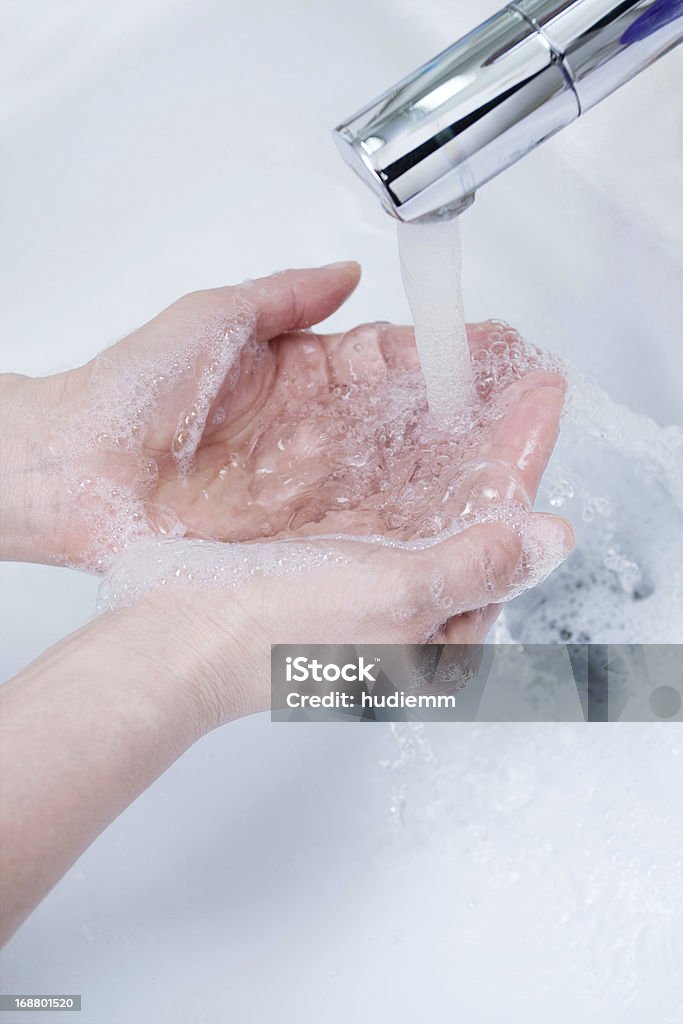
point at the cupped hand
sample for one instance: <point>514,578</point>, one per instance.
<point>254,458</point>
<point>219,420</point>
<point>218,633</point>
<point>241,439</point>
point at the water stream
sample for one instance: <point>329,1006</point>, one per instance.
<point>431,265</point>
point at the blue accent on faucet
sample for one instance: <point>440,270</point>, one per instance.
<point>660,14</point>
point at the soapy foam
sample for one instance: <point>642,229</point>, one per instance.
<point>200,564</point>
<point>618,477</point>
<point>154,563</point>
<point>220,369</point>
<point>116,420</point>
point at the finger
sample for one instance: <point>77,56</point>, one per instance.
<point>368,350</point>
<point>471,627</point>
<point>295,299</point>
<point>483,565</point>
<point>513,454</point>
<point>523,440</point>
<point>196,333</point>
<point>399,350</point>
<point>371,350</point>
<point>486,334</point>
<point>285,301</point>
<point>366,353</point>
<point>310,360</point>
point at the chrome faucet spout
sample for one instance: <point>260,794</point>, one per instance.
<point>431,141</point>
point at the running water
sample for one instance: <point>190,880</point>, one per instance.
<point>431,268</point>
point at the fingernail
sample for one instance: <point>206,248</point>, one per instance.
<point>342,265</point>
<point>547,542</point>
<point>538,379</point>
<point>541,398</point>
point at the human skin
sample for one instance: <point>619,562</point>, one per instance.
<point>41,521</point>
<point>93,721</point>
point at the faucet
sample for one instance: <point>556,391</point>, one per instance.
<point>427,144</point>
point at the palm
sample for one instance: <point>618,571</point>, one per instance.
<point>269,459</point>
<point>278,463</point>
<point>273,466</point>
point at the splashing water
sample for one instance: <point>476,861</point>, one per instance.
<point>618,476</point>
<point>626,494</point>
<point>431,265</point>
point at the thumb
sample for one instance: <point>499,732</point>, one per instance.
<point>295,299</point>
<point>484,564</point>
<point>193,345</point>
<point>286,301</point>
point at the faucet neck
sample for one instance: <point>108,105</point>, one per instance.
<point>431,141</point>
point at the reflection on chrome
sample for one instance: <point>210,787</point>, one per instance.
<point>427,144</point>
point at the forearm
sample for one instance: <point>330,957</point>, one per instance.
<point>32,498</point>
<point>85,729</point>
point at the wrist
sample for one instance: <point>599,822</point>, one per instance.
<point>135,669</point>
<point>32,502</point>
<point>219,655</point>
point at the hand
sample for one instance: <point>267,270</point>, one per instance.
<point>187,459</point>
<point>64,435</point>
<point>344,592</point>
<point>447,593</point>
